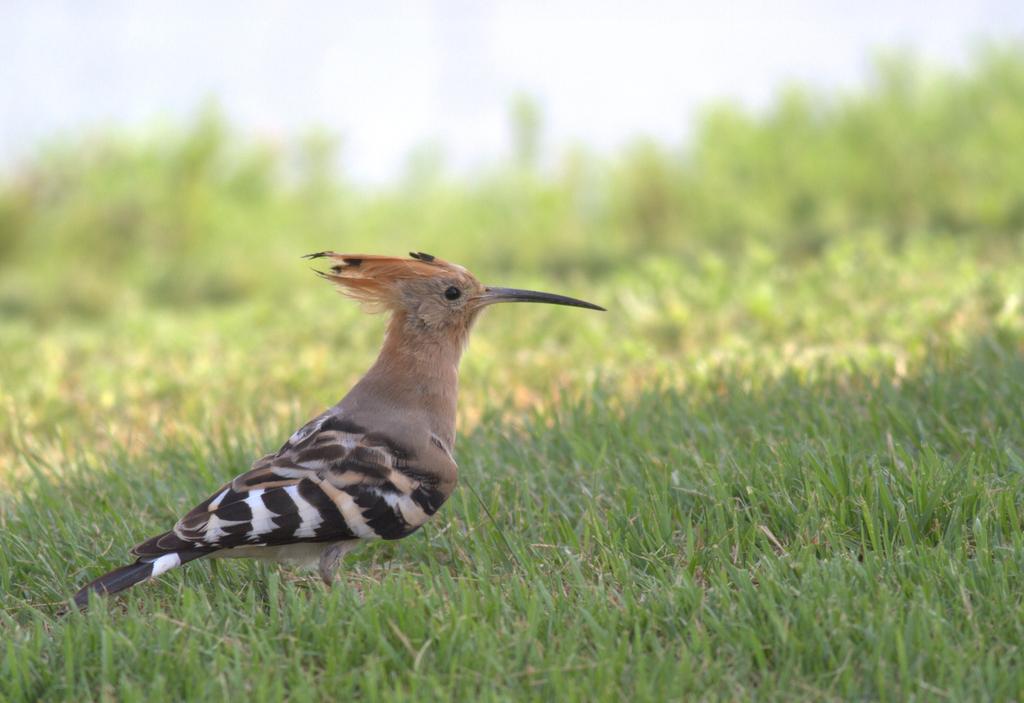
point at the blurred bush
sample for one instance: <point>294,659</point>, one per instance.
<point>199,215</point>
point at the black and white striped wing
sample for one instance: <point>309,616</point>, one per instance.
<point>330,482</point>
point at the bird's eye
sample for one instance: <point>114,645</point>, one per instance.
<point>452,293</point>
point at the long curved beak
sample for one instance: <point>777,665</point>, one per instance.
<point>517,295</point>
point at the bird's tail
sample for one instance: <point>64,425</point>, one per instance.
<point>147,567</point>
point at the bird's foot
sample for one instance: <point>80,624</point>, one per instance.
<point>329,560</point>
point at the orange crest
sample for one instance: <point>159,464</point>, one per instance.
<point>371,279</point>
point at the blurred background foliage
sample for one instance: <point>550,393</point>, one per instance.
<point>192,215</point>
<point>151,285</point>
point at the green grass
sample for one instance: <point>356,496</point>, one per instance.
<point>787,463</point>
<point>781,482</point>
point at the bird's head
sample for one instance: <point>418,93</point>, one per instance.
<point>429,294</point>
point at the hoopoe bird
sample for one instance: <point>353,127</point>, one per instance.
<point>378,464</point>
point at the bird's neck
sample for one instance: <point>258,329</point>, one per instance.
<point>415,374</point>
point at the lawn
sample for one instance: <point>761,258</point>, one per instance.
<point>785,465</point>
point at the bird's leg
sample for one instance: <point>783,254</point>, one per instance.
<point>330,558</point>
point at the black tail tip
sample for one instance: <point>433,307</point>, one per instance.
<point>114,582</point>
<point>81,599</point>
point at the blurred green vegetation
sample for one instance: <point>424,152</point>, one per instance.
<point>184,216</point>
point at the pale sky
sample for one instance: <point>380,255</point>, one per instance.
<point>387,76</point>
